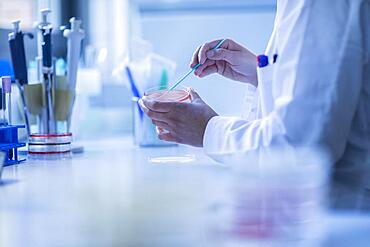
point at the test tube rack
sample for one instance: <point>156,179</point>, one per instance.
<point>9,143</point>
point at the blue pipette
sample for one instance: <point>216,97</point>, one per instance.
<point>193,69</point>
<point>134,89</point>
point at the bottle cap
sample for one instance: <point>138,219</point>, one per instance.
<point>6,83</point>
<point>263,61</point>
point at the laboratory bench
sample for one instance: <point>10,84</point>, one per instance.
<point>112,195</point>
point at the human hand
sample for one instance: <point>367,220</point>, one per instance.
<point>231,60</point>
<point>185,122</point>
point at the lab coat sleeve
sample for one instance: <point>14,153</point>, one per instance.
<point>250,103</point>
<point>318,75</point>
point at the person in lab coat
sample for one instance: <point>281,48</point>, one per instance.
<point>316,93</point>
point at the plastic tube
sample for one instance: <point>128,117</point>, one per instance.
<point>6,90</point>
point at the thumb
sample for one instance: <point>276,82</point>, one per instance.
<point>194,96</point>
<point>222,54</point>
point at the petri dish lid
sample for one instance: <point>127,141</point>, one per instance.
<point>48,149</point>
<point>172,159</point>
<point>176,95</point>
<point>50,138</point>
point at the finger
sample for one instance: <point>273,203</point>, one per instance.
<point>157,116</point>
<point>194,96</point>
<point>157,106</point>
<point>208,71</point>
<point>224,55</point>
<point>142,106</point>
<point>167,137</point>
<point>200,69</point>
<point>202,56</point>
<point>161,124</point>
<point>194,59</point>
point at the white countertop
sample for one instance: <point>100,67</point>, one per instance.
<point>111,195</point>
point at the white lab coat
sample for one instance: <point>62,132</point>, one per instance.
<point>316,94</point>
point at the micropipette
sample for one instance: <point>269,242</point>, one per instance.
<point>43,23</point>
<point>18,55</point>
<point>47,69</point>
<point>74,35</point>
<point>16,44</point>
<point>192,70</point>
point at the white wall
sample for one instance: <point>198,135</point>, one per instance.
<point>176,36</point>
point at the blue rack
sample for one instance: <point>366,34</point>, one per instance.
<point>9,143</point>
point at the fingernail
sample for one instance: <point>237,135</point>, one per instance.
<point>142,106</point>
<point>210,53</point>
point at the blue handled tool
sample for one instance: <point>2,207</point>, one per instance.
<point>134,89</point>
<point>192,70</point>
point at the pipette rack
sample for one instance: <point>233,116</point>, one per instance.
<point>9,143</point>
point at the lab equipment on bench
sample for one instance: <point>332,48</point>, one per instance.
<point>51,99</point>
<point>2,162</point>
<point>17,52</point>
<point>43,22</point>
<point>6,100</point>
<point>172,159</point>
<point>144,131</point>
<point>143,70</point>
<point>45,28</point>
<point>52,145</point>
<point>9,142</point>
<point>134,89</point>
<point>75,35</point>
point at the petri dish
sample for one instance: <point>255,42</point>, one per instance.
<point>49,144</point>
<point>50,138</point>
<point>48,149</point>
<point>180,94</point>
<point>173,159</point>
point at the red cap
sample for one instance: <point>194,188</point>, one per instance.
<point>7,84</point>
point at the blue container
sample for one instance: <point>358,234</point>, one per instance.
<point>9,143</point>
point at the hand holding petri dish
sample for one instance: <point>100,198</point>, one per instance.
<point>180,94</point>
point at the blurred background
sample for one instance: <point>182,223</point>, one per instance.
<point>118,32</point>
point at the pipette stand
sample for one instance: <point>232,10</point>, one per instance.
<point>9,143</point>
